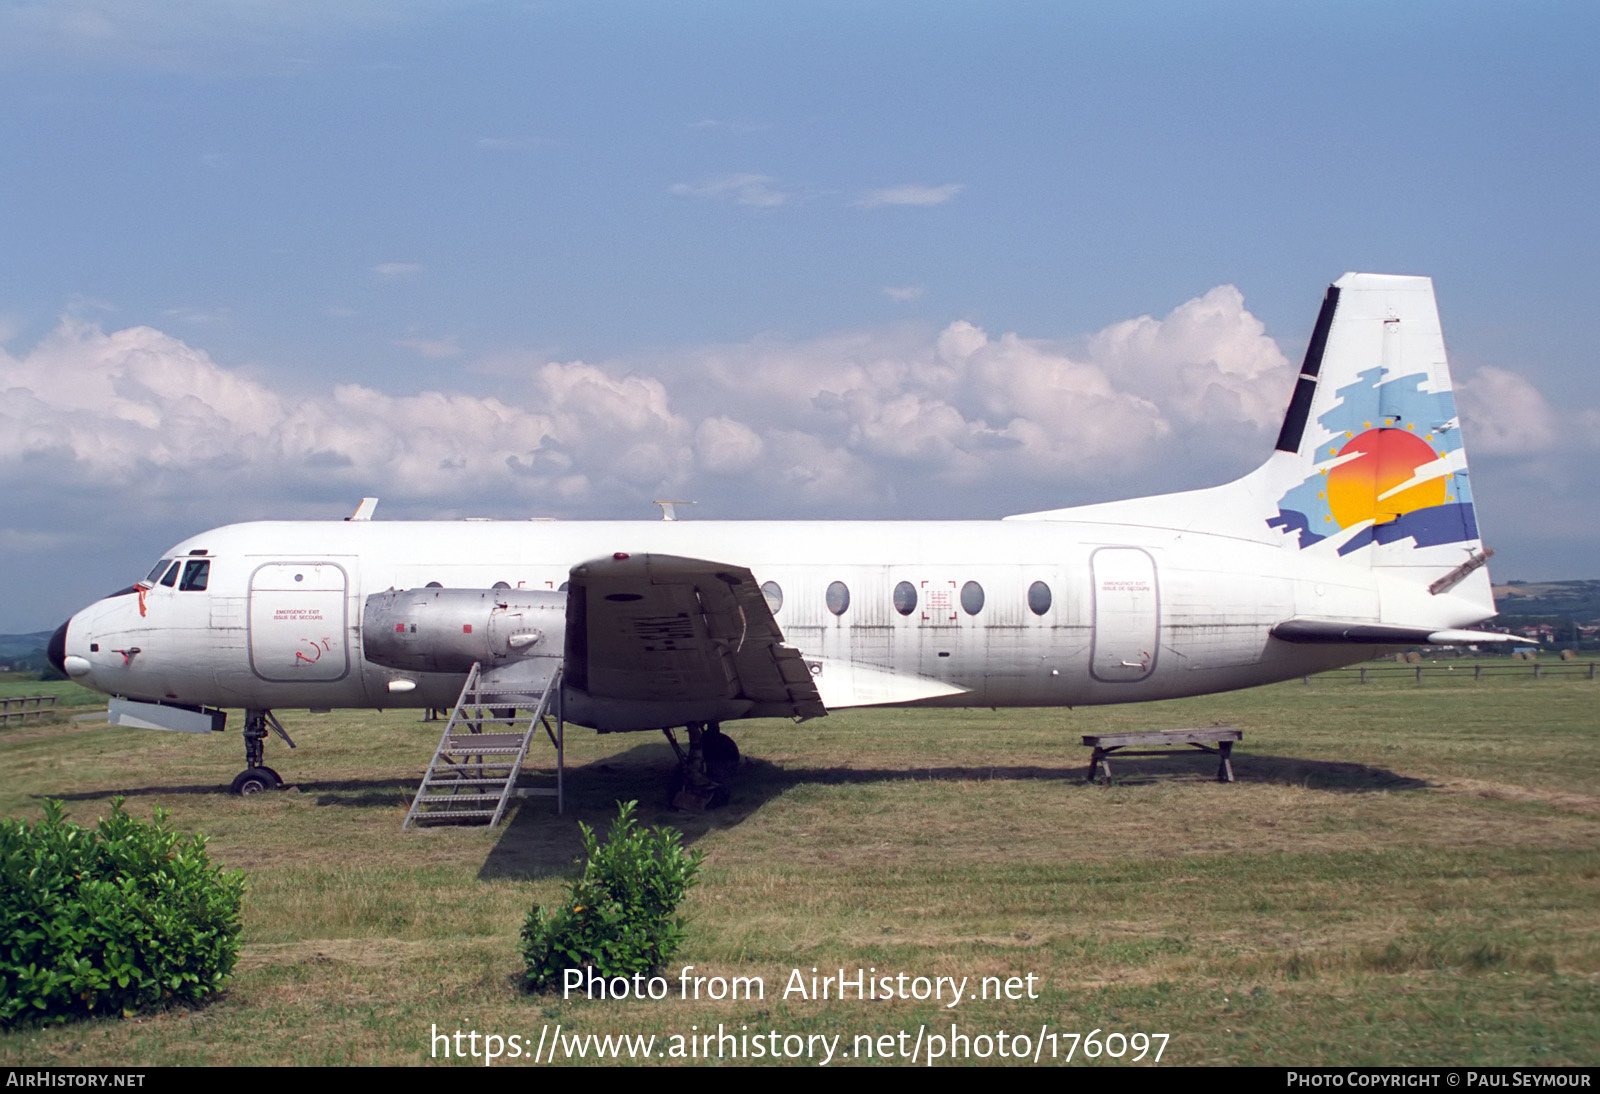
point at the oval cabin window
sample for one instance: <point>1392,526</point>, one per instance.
<point>774,594</point>
<point>905,598</point>
<point>972,598</point>
<point>838,598</point>
<point>1038,598</point>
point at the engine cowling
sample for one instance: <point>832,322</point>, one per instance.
<point>446,630</point>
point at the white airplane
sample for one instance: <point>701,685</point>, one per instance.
<point>1357,532</point>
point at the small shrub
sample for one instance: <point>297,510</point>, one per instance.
<point>618,916</point>
<point>111,919</point>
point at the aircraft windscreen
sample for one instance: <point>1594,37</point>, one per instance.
<point>157,571</point>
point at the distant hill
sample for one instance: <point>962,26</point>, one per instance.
<point>1577,600</point>
<point>15,647</point>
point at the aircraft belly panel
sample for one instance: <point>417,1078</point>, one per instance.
<point>1127,615</point>
<point>298,630</point>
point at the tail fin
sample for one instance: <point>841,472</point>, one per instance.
<point>1370,455</point>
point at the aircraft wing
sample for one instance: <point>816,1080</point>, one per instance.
<point>661,629</point>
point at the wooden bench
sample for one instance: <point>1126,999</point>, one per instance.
<point>1217,740</point>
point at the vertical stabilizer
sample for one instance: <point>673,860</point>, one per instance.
<point>1371,450</point>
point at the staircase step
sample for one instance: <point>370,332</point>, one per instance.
<point>468,758</point>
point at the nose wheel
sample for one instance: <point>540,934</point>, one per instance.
<point>257,777</point>
<point>256,780</point>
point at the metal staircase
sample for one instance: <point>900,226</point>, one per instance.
<point>474,773</point>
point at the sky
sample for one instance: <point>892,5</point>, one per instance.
<point>261,258</point>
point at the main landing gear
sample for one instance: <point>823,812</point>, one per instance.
<point>701,779</point>
<point>257,776</point>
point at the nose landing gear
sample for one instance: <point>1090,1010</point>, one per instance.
<point>257,777</point>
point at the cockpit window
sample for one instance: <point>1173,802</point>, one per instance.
<point>196,572</point>
<point>160,568</point>
<point>172,575</point>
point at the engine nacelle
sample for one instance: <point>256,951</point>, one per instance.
<point>446,630</point>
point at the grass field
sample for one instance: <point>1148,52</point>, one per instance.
<point>1403,874</point>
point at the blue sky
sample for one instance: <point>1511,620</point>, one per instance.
<point>258,259</point>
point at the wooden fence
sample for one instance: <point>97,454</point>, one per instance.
<point>37,707</point>
<point>1460,672</point>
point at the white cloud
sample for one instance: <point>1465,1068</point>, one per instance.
<point>1503,413</point>
<point>509,144</point>
<point>730,127</point>
<point>742,189</point>
<point>910,194</point>
<point>897,421</point>
<point>435,349</point>
<point>903,293</point>
<point>217,35</point>
<point>394,271</point>
<point>1209,359</point>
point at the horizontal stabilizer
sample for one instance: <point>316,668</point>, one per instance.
<point>1377,634</point>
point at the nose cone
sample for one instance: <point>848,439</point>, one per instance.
<point>56,651</point>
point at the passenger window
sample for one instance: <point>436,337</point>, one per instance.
<point>774,594</point>
<point>838,598</point>
<point>1038,598</point>
<point>196,573</point>
<point>905,598</point>
<point>972,598</point>
<point>172,575</point>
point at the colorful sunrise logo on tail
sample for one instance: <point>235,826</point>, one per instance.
<point>1389,467</point>
<point>1381,481</point>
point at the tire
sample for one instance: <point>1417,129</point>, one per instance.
<point>722,756</point>
<point>256,780</point>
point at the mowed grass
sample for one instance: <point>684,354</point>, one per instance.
<point>1403,874</point>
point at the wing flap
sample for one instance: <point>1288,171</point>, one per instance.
<point>661,628</point>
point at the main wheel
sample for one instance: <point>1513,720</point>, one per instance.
<point>722,756</point>
<point>256,780</point>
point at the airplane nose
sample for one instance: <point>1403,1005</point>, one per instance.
<point>56,651</point>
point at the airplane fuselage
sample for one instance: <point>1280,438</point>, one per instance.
<point>990,613</point>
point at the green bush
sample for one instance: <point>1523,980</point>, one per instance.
<point>111,919</point>
<point>618,916</point>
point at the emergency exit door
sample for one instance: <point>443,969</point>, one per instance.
<point>298,629</point>
<point>1127,614</point>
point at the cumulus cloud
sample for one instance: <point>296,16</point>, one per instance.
<point>1503,413</point>
<point>894,422</point>
<point>435,349</point>
<point>742,189</point>
<point>910,194</point>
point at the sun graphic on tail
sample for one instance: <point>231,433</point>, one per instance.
<point>1370,480</point>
